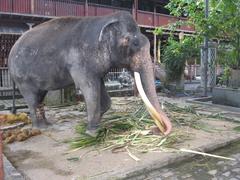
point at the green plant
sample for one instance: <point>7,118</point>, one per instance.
<point>227,56</point>
<point>177,53</point>
<point>224,79</point>
<point>223,23</point>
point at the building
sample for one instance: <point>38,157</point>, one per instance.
<point>17,16</point>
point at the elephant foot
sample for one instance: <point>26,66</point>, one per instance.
<point>105,108</point>
<point>41,121</point>
<point>41,124</point>
<point>92,129</point>
<point>92,132</point>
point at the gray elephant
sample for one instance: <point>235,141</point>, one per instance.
<point>80,51</point>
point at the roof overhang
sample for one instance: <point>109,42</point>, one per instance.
<point>27,18</point>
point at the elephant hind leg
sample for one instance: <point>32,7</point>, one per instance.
<point>40,112</point>
<point>34,99</point>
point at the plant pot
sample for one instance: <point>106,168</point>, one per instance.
<point>234,80</point>
<point>180,84</point>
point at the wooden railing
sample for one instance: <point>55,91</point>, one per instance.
<point>73,8</point>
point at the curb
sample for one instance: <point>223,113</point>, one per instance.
<point>176,158</point>
<point>10,172</point>
<point>203,101</point>
<point>1,156</point>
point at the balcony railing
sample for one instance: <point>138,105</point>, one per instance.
<point>72,8</point>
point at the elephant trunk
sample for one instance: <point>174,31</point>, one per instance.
<point>146,87</point>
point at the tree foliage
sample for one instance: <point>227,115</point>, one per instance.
<point>223,22</point>
<point>176,54</point>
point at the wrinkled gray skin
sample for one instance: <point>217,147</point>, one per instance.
<point>80,51</point>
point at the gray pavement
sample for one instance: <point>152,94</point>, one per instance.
<point>197,168</point>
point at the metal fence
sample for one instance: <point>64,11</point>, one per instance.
<point>6,89</point>
<point>6,42</point>
<point>116,79</point>
<point>5,81</point>
<point>192,71</point>
<point>119,78</point>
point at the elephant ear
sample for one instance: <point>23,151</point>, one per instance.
<point>113,21</point>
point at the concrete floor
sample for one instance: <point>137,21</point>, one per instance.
<point>46,156</point>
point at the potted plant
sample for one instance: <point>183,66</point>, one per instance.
<point>175,57</point>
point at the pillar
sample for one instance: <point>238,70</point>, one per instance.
<point>32,7</point>
<point>159,51</point>
<point>154,48</point>
<point>180,82</point>
<point>86,8</point>
<point>208,78</point>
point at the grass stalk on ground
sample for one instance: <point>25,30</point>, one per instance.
<point>133,130</point>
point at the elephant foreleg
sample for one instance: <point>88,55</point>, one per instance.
<point>105,99</point>
<point>91,89</point>
<point>92,98</point>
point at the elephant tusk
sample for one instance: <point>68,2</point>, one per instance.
<point>160,119</point>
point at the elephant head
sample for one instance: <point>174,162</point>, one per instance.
<point>129,48</point>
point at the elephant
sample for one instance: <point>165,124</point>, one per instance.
<point>80,51</point>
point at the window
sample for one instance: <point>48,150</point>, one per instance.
<point>146,5</point>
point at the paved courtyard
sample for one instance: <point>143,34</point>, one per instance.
<point>34,160</point>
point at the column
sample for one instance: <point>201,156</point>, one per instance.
<point>86,8</point>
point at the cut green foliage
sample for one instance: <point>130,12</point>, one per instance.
<point>217,116</point>
<point>73,159</point>
<point>175,108</point>
<point>136,130</point>
<point>237,128</point>
<point>184,116</point>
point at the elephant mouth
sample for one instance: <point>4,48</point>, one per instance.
<point>160,118</point>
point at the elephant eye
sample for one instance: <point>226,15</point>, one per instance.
<point>135,42</point>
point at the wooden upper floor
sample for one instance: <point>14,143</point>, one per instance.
<point>148,13</point>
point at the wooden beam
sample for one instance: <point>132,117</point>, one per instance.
<point>155,47</point>
<point>134,9</point>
